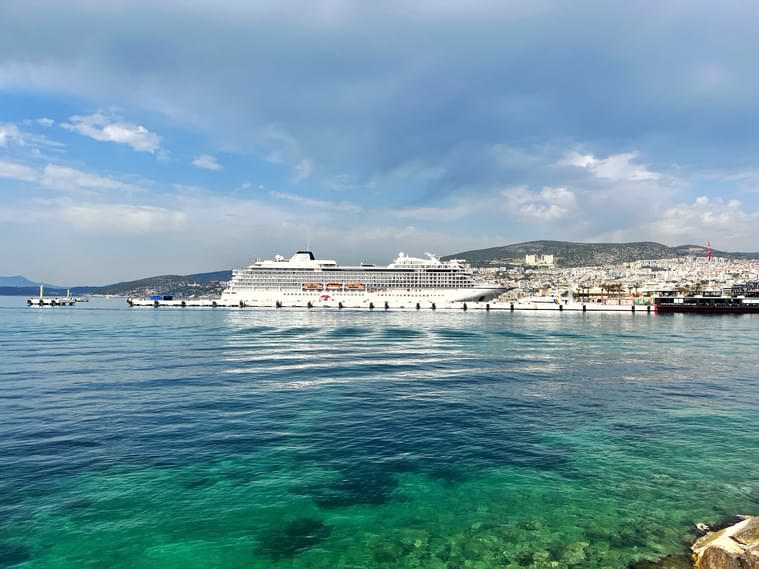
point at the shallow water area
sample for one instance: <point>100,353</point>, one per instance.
<point>194,438</point>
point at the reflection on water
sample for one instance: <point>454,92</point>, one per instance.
<point>242,438</point>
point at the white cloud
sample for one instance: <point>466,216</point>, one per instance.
<point>16,171</point>
<point>46,122</point>
<point>207,162</point>
<point>615,167</point>
<point>122,218</point>
<point>550,204</point>
<point>63,178</point>
<point>314,203</point>
<point>706,219</point>
<point>10,134</point>
<point>728,224</point>
<point>458,211</point>
<point>109,129</point>
<point>303,170</point>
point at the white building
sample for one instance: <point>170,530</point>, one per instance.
<point>539,260</point>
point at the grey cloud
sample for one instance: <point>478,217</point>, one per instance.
<point>365,90</point>
<point>426,109</point>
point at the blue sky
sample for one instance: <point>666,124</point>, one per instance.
<point>138,139</point>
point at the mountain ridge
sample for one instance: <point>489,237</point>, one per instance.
<point>21,281</point>
<point>196,283</point>
<point>578,254</point>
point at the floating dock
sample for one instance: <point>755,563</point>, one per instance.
<point>42,300</point>
<point>457,306</point>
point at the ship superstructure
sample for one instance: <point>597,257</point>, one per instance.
<point>304,280</point>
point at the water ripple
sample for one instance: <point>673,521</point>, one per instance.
<point>264,438</point>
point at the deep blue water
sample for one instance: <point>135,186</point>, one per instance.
<point>263,438</point>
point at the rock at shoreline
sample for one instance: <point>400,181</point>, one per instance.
<point>735,547</point>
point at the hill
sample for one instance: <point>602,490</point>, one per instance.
<point>19,281</point>
<point>569,254</point>
<point>34,291</point>
<point>180,285</point>
<point>199,284</point>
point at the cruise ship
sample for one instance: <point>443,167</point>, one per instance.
<point>408,282</point>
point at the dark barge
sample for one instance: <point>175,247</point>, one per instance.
<point>707,304</point>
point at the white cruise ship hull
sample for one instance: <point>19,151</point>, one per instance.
<point>362,299</point>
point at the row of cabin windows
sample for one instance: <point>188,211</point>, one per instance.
<point>395,281</point>
<point>358,294</point>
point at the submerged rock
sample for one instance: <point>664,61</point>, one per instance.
<point>11,554</point>
<point>735,547</point>
<point>286,541</point>
<point>668,562</point>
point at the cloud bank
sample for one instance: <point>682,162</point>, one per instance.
<point>451,125</point>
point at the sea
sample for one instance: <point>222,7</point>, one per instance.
<point>228,438</point>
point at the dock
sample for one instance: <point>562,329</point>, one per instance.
<point>456,306</point>
<point>183,303</point>
<point>43,300</point>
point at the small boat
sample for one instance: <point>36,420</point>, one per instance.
<point>540,300</point>
<point>312,286</point>
<point>334,286</point>
<point>355,286</point>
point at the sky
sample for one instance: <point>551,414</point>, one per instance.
<point>140,138</point>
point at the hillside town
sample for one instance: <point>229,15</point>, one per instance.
<point>641,281</point>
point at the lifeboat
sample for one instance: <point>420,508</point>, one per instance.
<point>355,286</point>
<point>334,286</point>
<point>312,286</point>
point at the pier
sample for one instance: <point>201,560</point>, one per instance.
<point>42,300</point>
<point>183,303</point>
<point>456,306</point>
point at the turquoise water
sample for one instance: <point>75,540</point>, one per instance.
<point>326,439</point>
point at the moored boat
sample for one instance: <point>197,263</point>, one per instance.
<point>708,304</point>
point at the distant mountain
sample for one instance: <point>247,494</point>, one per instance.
<point>569,254</point>
<point>179,285</point>
<point>35,290</point>
<point>19,281</point>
